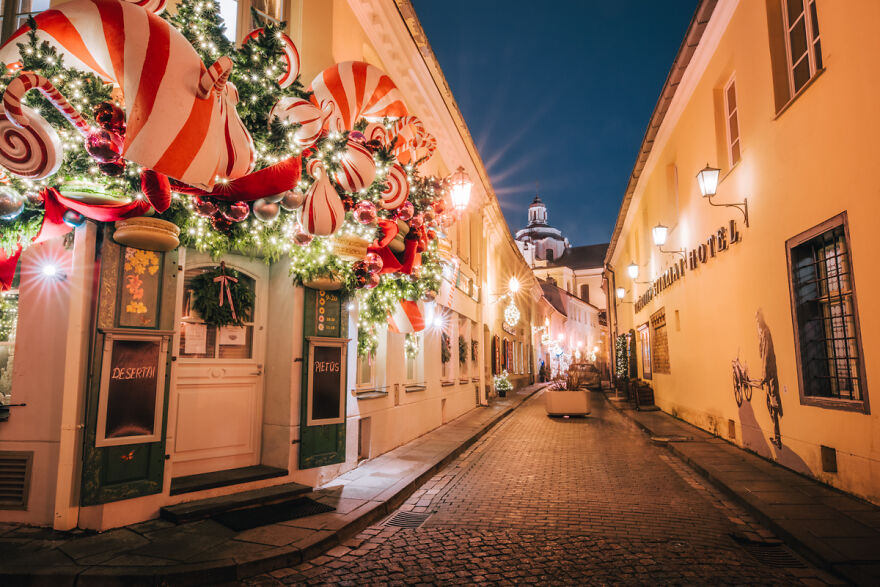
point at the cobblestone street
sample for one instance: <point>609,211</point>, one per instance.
<point>561,501</point>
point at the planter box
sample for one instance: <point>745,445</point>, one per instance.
<point>567,403</point>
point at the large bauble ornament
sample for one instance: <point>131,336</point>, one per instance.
<point>104,146</point>
<point>405,212</point>
<point>265,210</point>
<point>73,219</point>
<point>35,198</point>
<point>112,168</point>
<point>302,112</point>
<point>237,212</point>
<point>357,170</point>
<point>273,199</point>
<point>439,206</point>
<point>301,237</point>
<point>365,212</point>
<point>372,280</point>
<point>429,296</point>
<point>204,208</point>
<point>416,273</point>
<point>373,262</point>
<point>429,214</point>
<point>417,221</point>
<point>11,203</point>
<point>360,280</point>
<point>396,188</point>
<point>110,117</point>
<point>292,199</point>
<point>323,212</point>
<point>432,234</point>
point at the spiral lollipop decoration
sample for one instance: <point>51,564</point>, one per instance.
<point>376,132</point>
<point>396,188</point>
<point>357,170</point>
<point>30,152</point>
<point>413,140</point>
<point>291,57</point>
<point>323,211</point>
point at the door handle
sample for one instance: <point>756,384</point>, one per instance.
<point>260,372</point>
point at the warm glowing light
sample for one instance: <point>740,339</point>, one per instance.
<point>660,233</point>
<point>460,189</point>
<point>513,285</point>
<point>511,315</point>
<point>620,293</point>
<point>633,270</point>
<point>708,180</point>
<point>49,270</point>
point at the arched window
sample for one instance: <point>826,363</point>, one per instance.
<point>549,254</point>
<point>585,293</point>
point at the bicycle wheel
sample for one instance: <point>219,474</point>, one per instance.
<point>748,392</point>
<point>737,388</point>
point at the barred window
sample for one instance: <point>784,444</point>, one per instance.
<point>829,346</point>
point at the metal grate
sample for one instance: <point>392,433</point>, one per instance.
<point>407,519</point>
<point>15,479</point>
<point>773,555</point>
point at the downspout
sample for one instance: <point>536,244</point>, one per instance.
<point>612,351</point>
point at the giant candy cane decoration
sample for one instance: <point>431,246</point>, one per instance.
<point>357,90</point>
<point>180,115</point>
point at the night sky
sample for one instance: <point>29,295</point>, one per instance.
<point>557,94</point>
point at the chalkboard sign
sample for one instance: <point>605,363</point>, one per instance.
<point>326,382</point>
<point>133,380</point>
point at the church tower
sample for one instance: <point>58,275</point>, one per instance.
<point>539,241</point>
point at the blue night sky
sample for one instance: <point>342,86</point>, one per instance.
<point>558,94</point>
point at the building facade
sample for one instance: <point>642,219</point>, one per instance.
<point>225,405</point>
<point>738,286</point>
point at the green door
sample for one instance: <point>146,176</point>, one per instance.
<point>324,381</point>
<point>129,373</point>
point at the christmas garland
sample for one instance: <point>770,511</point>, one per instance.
<point>219,300</point>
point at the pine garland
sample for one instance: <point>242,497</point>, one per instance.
<point>206,298</point>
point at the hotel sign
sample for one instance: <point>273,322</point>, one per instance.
<point>703,253</point>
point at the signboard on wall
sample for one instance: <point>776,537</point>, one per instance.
<point>326,392</point>
<point>132,390</point>
<point>327,313</point>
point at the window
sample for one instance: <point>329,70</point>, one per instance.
<point>645,344</point>
<point>585,293</point>
<point>23,9</point>
<point>803,46</point>
<point>659,342</point>
<point>366,371</point>
<point>8,325</point>
<point>234,12</point>
<point>413,359</point>
<point>549,254</point>
<point>731,113</point>
<point>824,307</point>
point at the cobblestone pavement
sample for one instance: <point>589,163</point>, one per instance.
<point>561,501</point>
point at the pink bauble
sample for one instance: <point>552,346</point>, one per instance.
<point>301,237</point>
<point>429,215</point>
<point>266,210</point>
<point>237,212</point>
<point>204,208</point>
<point>417,221</point>
<point>357,170</point>
<point>105,146</point>
<point>292,199</point>
<point>373,262</point>
<point>396,188</point>
<point>365,212</point>
<point>372,280</point>
<point>405,212</point>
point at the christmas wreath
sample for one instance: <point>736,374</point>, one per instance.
<point>462,350</point>
<point>445,348</point>
<point>221,298</point>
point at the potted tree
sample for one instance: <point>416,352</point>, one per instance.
<point>565,396</point>
<point>502,384</point>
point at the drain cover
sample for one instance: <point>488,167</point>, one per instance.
<point>407,519</point>
<point>771,553</point>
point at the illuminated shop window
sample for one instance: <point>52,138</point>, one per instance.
<point>8,324</point>
<point>829,346</point>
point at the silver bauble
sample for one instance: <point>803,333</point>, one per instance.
<point>429,296</point>
<point>273,199</point>
<point>11,203</point>
<point>35,198</point>
<point>266,211</point>
<point>73,218</point>
<point>292,199</point>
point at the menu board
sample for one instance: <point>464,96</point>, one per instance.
<point>327,313</point>
<point>326,383</point>
<point>139,291</point>
<point>132,381</point>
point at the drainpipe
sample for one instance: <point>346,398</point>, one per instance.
<point>612,351</point>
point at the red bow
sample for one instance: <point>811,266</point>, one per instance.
<point>413,246</point>
<point>273,180</point>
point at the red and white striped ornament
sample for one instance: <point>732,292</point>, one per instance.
<point>291,57</point>
<point>357,170</point>
<point>396,188</point>
<point>31,152</point>
<point>376,131</point>
<point>323,212</point>
<point>304,113</point>
<point>407,317</point>
<point>357,90</point>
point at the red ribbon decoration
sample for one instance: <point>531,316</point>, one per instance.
<point>224,284</point>
<point>410,257</point>
<point>270,181</point>
<point>54,226</point>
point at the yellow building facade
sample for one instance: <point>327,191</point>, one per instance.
<point>758,322</point>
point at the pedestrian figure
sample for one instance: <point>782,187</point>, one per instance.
<point>769,375</point>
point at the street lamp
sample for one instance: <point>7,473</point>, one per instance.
<point>620,293</point>
<point>632,270</point>
<point>660,232</point>
<point>460,189</point>
<point>708,180</point>
<point>513,285</point>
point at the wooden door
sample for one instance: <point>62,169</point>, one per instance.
<point>218,392</point>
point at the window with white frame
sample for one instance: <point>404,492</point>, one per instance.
<point>240,20</point>
<point>414,347</point>
<point>366,371</point>
<point>18,12</point>
<point>802,41</point>
<point>464,355</point>
<point>8,325</point>
<point>731,113</point>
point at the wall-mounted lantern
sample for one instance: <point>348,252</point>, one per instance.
<point>708,180</point>
<point>460,185</point>
<point>660,233</point>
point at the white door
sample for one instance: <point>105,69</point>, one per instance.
<point>218,394</point>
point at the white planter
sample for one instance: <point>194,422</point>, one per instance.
<point>567,403</point>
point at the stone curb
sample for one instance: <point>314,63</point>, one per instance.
<point>802,548</point>
<point>229,571</point>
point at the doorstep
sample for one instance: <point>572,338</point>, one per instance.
<point>205,508</point>
<point>215,479</point>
